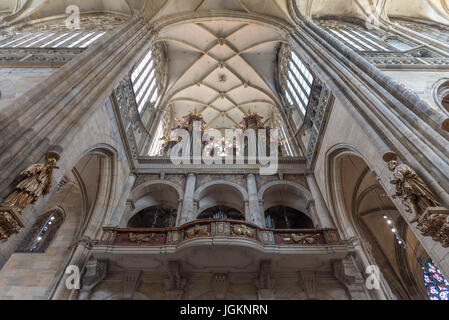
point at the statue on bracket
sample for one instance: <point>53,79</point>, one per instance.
<point>432,217</point>
<point>34,182</point>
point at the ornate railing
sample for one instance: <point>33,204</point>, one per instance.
<point>417,56</point>
<point>42,57</point>
<point>207,228</point>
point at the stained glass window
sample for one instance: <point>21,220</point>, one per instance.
<point>437,286</point>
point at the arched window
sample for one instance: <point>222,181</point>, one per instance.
<point>297,80</point>
<point>437,286</point>
<point>161,216</point>
<point>282,217</point>
<point>42,232</point>
<point>221,212</point>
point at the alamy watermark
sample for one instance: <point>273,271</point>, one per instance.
<point>73,279</point>
<point>73,21</point>
<point>372,282</point>
<point>190,150</point>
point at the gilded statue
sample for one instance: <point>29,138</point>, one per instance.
<point>432,217</point>
<point>411,189</point>
<point>35,181</point>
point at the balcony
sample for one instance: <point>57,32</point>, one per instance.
<point>218,244</point>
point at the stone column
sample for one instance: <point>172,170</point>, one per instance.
<point>323,215</point>
<point>253,200</point>
<point>187,213</point>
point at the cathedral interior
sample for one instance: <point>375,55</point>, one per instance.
<point>354,92</point>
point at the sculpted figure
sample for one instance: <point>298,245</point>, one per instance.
<point>35,182</point>
<point>411,188</point>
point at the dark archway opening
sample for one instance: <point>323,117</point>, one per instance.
<point>282,217</point>
<point>161,216</point>
<point>221,212</point>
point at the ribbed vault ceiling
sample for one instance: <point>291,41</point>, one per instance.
<point>222,68</point>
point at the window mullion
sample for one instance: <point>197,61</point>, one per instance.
<point>14,39</point>
<point>23,43</point>
<point>302,73</point>
<point>299,83</point>
<point>340,37</point>
<point>142,72</point>
<point>369,46</point>
<point>298,96</point>
<point>141,87</point>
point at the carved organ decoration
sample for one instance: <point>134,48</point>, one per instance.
<point>242,230</point>
<point>140,238</point>
<point>419,200</point>
<point>197,230</point>
<point>35,182</point>
<point>301,238</point>
<point>185,123</point>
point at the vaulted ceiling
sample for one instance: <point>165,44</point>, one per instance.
<point>221,63</point>
<point>432,10</point>
<point>222,68</point>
